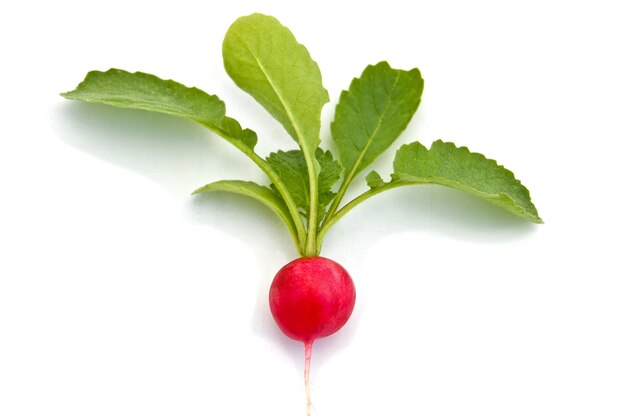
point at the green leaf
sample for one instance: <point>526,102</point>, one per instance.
<point>448,165</point>
<point>147,92</point>
<point>373,112</point>
<point>143,91</point>
<point>291,168</point>
<point>374,180</point>
<point>330,172</point>
<point>264,59</point>
<point>456,167</point>
<point>263,194</point>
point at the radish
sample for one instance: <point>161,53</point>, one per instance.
<point>313,297</point>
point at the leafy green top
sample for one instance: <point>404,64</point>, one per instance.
<point>143,91</point>
<point>264,59</point>
<point>291,168</point>
<point>446,164</point>
<point>373,112</point>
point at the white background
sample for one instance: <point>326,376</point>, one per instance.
<point>120,294</point>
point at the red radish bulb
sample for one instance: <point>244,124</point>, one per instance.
<point>310,298</point>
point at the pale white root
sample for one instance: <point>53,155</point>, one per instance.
<point>308,347</point>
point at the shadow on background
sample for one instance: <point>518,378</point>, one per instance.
<point>173,152</point>
<point>432,209</point>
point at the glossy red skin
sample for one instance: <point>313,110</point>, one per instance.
<point>311,297</point>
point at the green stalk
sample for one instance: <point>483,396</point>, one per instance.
<point>310,249</point>
<point>355,168</point>
<point>344,185</point>
<point>337,200</point>
<point>331,219</point>
<point>278,183</point>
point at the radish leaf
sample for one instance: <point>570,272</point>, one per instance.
<point>330,172</point>
<point>374,180</point>
<point>264,59</point>
<point>263,194</point>
<point>148,92</point>
<point>457,167</point>
<point>290,166</point>
<point>446,164</point>
<point>291,169</point>
<point>371,114</point>
<point>143,91</point>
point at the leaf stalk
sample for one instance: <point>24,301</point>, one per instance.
<point>311,241</point>
<point>278,183</point>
